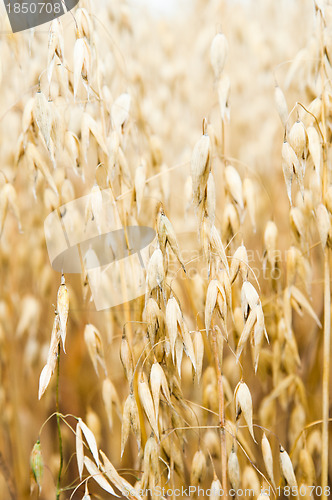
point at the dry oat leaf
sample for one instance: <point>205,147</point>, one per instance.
<point>90,439</point>
<point>63,309</point>
<point>234,185</point>
<point>119,482</point>
<point>200,167</point>
<point>268,458</point>
<point>303,303</point>
<point>120,112</point>
<point>218,54</point>
<point>94,344</point>
<point>286,467</point>
<point>55,46</point>
<point>244,404</point>
<point>147,403</point>
<point>79,450</point>
<point>97,475</point>
<point>44,379</point>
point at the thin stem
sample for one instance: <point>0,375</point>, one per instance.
<point>221,415</point>
<point>58,424</point>
<point>326,372</point>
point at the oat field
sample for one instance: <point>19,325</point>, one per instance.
<point>199,365</point>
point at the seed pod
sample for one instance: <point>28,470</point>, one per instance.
<point>297,223</point>
<point>152,316</point>
<point>234,470</point>
<point>155,272</point>
<point>249,298</point>
<point>298,139</point>
<point>44,379</point>
<point>158,381</point>
<point>323,223</point>
<point>63,308</point>
<point>37,464</point>
<point>239,263</point>
<point>94,344</point>
<point>126,357</point>
<point>120,112</point>
<point>218,54</point>
<point>307,467</point>
<point>234,185</point>
<point>215,489</point>
<point>82,59</point>
<point>291,165</point>
<point>147,402</point>
<point>250,480</point>
<point>200,168</point>
<point>130,420</point>
<point>281,105</point>
<point>173,319</point>
<point>244,405</point>
<point>268,458</point>
<point>286,468</point>
<point>198,468</point>
<point>166,234</point>
<point>230,221</point>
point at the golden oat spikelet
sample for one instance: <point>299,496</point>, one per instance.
<point>63,309</point>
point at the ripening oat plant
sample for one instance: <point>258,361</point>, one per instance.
<point>210,128</point>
